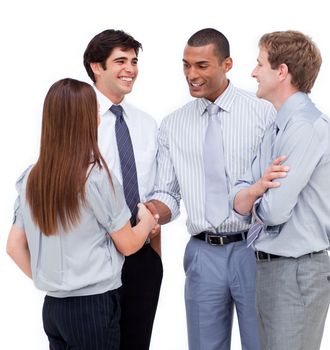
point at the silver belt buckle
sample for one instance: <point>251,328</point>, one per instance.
<point>217,237</point>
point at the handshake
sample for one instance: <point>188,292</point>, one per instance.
<point>148,214</point>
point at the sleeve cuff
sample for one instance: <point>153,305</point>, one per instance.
<point>168,200</point>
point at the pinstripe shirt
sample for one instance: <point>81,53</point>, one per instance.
<point>180,174</point>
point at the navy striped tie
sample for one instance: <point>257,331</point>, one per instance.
<point>127,162</point>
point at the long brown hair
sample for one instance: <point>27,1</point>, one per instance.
<point>56,184</point>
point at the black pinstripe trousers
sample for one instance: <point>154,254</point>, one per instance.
<point>83,323</point>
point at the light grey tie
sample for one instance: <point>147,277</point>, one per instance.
<point>216,192</point>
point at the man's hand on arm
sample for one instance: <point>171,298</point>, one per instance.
<point>244,200</point>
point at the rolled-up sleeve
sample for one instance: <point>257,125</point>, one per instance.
<point>166,188</point>
<point>107,201</point>
<point>252,174</point>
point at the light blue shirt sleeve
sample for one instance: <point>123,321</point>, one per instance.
<point>303,144</point>
<point>107,201</point>
<point>18,216</point>
<point>167,188</point>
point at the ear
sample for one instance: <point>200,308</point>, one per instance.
<point>96,68</point>
<point>227,64</point>
<point>283,71</point>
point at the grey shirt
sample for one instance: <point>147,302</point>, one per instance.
<point>296,215</point>
<point>180,173</point>
<point>83,261</point>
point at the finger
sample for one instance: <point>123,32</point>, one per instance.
<point>278,174</point>
<point>271,184</point>
<point>278,160</point>
<point>279,168</point>
<point>274,184</point>
<point>151,207</point>
<point>274,175</point>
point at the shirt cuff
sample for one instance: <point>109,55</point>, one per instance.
<point>166,198</point>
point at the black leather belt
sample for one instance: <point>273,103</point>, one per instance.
<point>217,239</point>
<point>266,256</point>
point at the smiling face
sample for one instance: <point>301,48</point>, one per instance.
<point>266,77</point>
<point>118,77</point>
<point>205,71</point>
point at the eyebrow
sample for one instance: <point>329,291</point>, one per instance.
<point>198,62</point>
<point>124,58</point>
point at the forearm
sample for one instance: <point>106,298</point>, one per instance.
<point>18,250</point>
<point>245,199</point>
<point>129,240</point>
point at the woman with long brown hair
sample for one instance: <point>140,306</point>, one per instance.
<point>71,227</point>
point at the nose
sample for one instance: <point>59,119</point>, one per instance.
<point>129,67</point>
<point>191,73</point>
<point>253,73</point>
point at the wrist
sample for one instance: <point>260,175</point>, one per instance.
<point>255,191</point>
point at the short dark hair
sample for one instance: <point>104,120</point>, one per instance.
<point>102,45</point>
<point>211,36</point>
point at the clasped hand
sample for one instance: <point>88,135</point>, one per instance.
<point>147,211</point>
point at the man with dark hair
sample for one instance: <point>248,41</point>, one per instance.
<point>204,147</point>
<point>292,227</point>
<point>128,142</point>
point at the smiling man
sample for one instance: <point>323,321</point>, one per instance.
<point>128,142</point>
<point>204,147</point>
<point>292,232</point>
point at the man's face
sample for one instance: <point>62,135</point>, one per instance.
<point>265,76</point>
<point>118,78</point>
<point>205,73</point>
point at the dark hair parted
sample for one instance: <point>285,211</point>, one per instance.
<point>298,52</point>
<point>211,36</point>
<point>101,46</point>
<point>68,147</point>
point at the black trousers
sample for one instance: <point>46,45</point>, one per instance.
<point>83,323</point>
<point>141,276</point>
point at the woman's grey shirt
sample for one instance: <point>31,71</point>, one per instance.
<point>84,260</point>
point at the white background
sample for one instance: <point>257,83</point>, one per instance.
<point>43,41</point>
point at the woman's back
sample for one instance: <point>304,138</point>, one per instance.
<point>82,260</point>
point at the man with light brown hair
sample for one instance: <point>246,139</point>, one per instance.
<point>291,228</point>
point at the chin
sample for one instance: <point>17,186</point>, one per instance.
<point>259,94</point>
<point>197,94</point>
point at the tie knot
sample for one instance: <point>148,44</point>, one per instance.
<point>212,109</point>
<point>117,110</point>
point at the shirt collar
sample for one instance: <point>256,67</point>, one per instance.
<point>105,103</point>
<point>224,101</point>
<point>292,104</point>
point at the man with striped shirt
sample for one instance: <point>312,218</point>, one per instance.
<point>220,269</point>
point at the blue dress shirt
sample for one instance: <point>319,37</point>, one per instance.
<point>296,215</point>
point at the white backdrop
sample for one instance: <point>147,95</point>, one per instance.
<point>43,41</point>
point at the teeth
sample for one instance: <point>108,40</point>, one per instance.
<point>195,85</point>
<point>126,78</point>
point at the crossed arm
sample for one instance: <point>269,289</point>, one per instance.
<point>245,199</point>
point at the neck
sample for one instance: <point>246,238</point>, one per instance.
<point>114,98</point>
<point>282,96</point>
